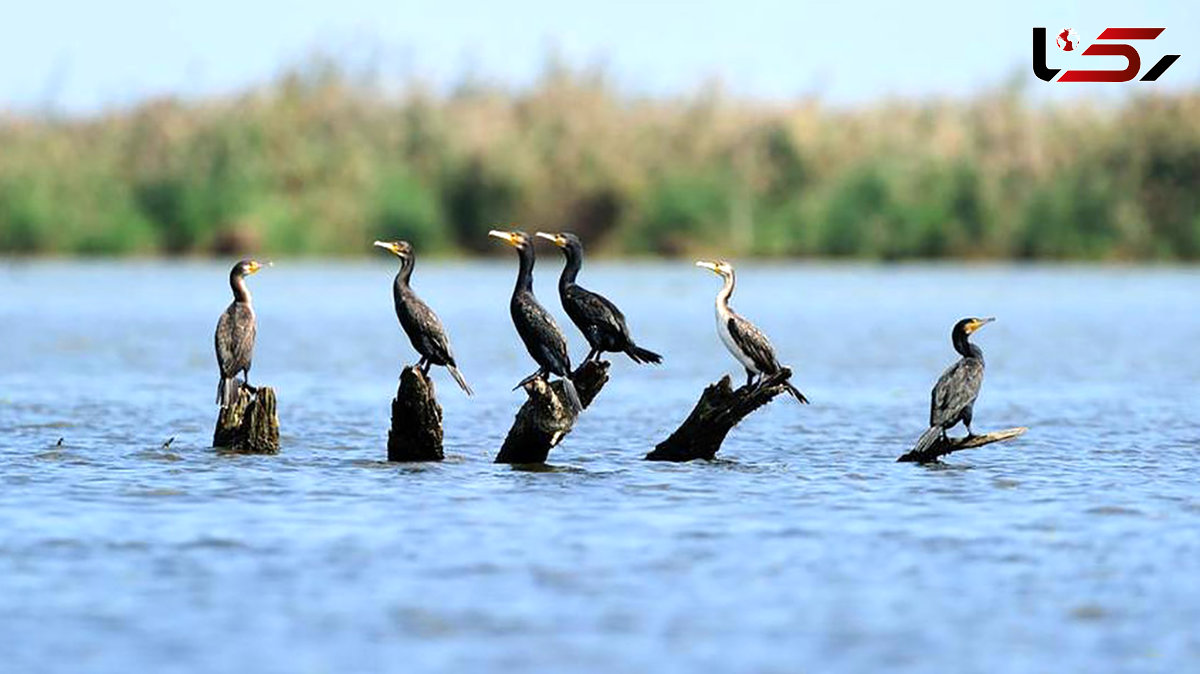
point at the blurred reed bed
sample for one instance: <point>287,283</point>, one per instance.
<point>318,162</point>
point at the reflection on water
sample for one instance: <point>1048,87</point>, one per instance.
<point>1075,548</point>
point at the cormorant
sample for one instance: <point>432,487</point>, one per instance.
<point>535,325</point>
<point>953,397</point>
<point>600,321</point>
<point>422,326</point>
<point>234,338</point>
<point>747,343</point>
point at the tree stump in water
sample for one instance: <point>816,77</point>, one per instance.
<point>945,446</point>
<point>719,409</point>
<point>546,417</point>
<point>416,432</point>
<point>250,424</point>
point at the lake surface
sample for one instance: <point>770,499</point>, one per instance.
<point>1074,548</point>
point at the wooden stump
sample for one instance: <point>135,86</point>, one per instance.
<point>250,424</point>
<point>546,417</point>
<point>719,409</point>
<point>943,447</point>
<point>416,432</point>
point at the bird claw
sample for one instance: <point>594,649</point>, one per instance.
<point>527,380</point>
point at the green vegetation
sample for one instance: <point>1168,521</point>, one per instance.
<point>319,163</point>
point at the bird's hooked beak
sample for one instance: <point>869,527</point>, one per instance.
<point>978,323</point>
<point>511,238</point>
<point>397,248</point>
<point>557,239</point>
<point>714,267</point>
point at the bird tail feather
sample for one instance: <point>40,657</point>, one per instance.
<point>640,355</point>
<point>795,392</point>
<point>572,394</point>
<point>462,383</point>
<point>927,439</point>
<point>226,391</point>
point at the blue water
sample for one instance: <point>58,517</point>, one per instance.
<point>806,548</point>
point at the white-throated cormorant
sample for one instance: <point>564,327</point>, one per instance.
<point>535,325</point>
<point>600,321</point>
<point>746,342</point>
<point>422,326</point>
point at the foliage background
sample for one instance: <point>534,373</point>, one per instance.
<point>321,161</point>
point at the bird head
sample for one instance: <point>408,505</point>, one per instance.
<point>719,267</point>
<point>562,239</point>
<point>518,240</point>
<point>401,249</point>
<point>248,267</point>
<point>968,326</point>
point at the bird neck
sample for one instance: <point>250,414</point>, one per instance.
<point>963,345</point>
<point>571,270</point>
<point>406,269</point>
<point>725,293</point>
<point>525,273</point>
<point>241,293</point>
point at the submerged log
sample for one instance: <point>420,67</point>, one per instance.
<point>546,417</point>
<point>719,409</point>
<point>416,432</point>
<point>945,446</point>
<point>250,424</point>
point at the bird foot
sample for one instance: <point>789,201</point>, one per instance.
<point>530,378</point>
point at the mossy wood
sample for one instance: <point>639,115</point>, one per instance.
<point>416,431</point>
<point>944,446</point>
<point>719,409</point>
<point>546,417</point>
<point>250,425</point>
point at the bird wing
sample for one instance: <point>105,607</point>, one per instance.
<point>234,339</point>
<point>592,311</point>
<point>540,333</point>
<point>424,329</point>
<point>752,341</point>
<point>955,390</point>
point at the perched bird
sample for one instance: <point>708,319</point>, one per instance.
<point>535,325</point>
<point>600,321</point>
<point>421,325</point>
<point>747,343</point>
<point>953,397</point>
<point>234,338</point>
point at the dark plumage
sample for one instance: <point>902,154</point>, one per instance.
<point>535,325</point>
<point>953,397</point>
<point>234,338</point>
<point>422,326</point>
<point>746,342</point>
<point>600,321</point>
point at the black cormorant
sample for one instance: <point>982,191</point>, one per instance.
<point>234,338</point>
<point>600,321</point>
<point>953,397</point>
<point>747,343</point>
<point>535,325</point>
<point>422,326</point>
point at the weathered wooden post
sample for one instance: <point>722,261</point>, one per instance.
<point>947,445</point>
<point>416,431</point>
<point>250,424</point>
<point>546,417</point>
<point>719,409</point>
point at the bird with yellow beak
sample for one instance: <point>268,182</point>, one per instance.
<point>742,338</point>
<point>423,327</point>
<point>536,327</point>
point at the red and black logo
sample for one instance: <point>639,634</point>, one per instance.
<point>1068,42</point>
